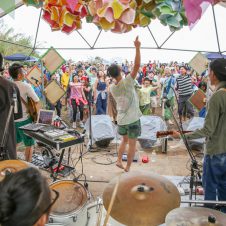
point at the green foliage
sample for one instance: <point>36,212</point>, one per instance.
<point>24,43</point>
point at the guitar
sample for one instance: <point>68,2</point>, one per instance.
<point>31,108</point>
<point>160,134</point>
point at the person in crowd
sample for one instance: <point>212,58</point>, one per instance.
<point>214,167</point>
<point>144,96</point>
<point>184,87</point>
<point>100,93</point>
<point>25,199</point>
<point>92,74</point>
<point>65,78</point>
<point>8,91</point>
<point>140,76</point>
<point>17,74</point>
<point>168,94</point>
<point>203,87</point>
<point>77,100</point>
<point>129,113</point>
<point>153,94</point>
<point>88,94</point>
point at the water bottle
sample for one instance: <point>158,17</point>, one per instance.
<point>153,156</point>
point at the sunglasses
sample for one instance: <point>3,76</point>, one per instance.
<point>47,210</point>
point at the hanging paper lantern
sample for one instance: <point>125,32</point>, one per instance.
<point>171,13</point>
<point>115,15</point>
<point>64,15</point>
<point>35,3</point>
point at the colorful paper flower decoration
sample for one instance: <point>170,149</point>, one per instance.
<point>171,13</point>
<point>64,15</point>
<point>35,3</point>
<point>144,12</point>
<point>115,15</point>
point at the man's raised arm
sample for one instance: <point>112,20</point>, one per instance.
<point>137,58</point>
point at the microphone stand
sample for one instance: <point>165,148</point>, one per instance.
<point>194,164</point>
<point>90,145</point>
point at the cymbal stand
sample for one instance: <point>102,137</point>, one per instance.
<point>195,172</point>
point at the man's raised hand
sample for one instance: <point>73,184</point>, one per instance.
<point>137,43</point>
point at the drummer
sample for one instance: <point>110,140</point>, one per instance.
<point>214,129</point>
<point>25,199</point>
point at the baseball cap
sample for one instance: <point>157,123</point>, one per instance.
<point>218,66</point>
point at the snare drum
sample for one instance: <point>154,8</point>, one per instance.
<point>11,166</point>
<point>72,200</point>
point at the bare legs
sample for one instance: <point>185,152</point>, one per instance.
<point>122,148</point>
<point>28,153</point>
<point>131,152</point>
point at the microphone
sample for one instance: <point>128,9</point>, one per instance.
<point>36,80</point>
<point>15,101</point>
<point>168,104</point>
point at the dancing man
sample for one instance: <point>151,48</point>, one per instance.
<point>214,129</point>
<point>129,113</point>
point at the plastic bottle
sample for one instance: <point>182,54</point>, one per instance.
<point>153,156</point>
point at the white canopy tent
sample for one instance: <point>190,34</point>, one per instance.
<point>157,40</point>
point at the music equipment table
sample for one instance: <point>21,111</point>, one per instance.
<point>55,144</point>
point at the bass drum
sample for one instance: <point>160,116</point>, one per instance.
<point>94,215</point>
<point>72,200</point>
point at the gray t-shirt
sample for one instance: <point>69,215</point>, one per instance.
<point>127,101</point>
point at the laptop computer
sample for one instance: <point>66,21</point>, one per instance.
<point>45,118</point>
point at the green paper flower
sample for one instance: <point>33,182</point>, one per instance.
<point>171,13</point>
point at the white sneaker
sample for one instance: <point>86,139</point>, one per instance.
<point>81,125</point>
<point>74,125</point>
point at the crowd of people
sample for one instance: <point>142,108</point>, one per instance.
<point>88,83</point>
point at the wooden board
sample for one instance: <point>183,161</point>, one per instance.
<point>197,99</point>
<point>54,92</point>
<point>34,76</point>
<point>199,63</point>
<point>52,60</point>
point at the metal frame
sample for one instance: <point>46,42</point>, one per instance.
<point>92,47</point>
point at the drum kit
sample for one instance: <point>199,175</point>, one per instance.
<point>136,198</point>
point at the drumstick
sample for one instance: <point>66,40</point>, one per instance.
<point>111,203</point>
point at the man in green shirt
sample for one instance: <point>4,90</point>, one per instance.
<point>214,129</point>
<point>128,111</point>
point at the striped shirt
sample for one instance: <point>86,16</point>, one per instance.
<point>184,85</point>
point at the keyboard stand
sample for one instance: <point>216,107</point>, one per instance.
<point>60,146</point>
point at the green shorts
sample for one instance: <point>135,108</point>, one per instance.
<point>133,130</point>
<point>20,136</point>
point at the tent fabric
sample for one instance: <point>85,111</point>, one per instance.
<point>20,57</point>
<point>213,56</point>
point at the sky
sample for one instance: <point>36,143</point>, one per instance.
<point>202,37</point>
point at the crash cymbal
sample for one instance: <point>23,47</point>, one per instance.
<point>195,216</point>
<point>142,198</point>
<point>11,166</point>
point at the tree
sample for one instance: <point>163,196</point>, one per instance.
<point>24,43</point>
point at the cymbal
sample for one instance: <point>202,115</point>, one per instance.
<point>195,216</point>
<point>11,166</point>
<point>142,198</point>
